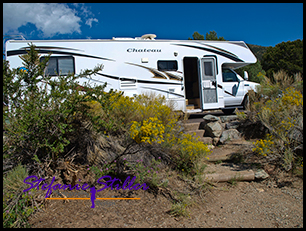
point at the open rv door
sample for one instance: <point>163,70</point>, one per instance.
<point>209,84</point>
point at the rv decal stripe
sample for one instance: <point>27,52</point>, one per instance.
<point>225,51</point>
<point>109,76</point>
<point>172,93</point>
<point>156,73</point>
<point>159,74</point>
<point>16,52</point>
<point>156,82</point>
<point>138,81</point>
<point>20,52</point>
<point>213,51</point>
<point>48,47</point>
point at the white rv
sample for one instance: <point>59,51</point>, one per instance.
<point>197,74</point>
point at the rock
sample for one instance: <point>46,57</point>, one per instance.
<point>261,174</point>
<point>208,119</point>
<point>232,125</point>
<point>211,118</point>
<point>215,141</point>
<point>252,130</point>
<point>103,150</point>
<point>230,134</point>
<point>213,129</point>
<point>225,119</point>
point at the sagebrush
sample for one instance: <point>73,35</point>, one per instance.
<point>278,105</point>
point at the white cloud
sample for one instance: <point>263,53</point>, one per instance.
<point>90,20</point>
<point>49,18</point>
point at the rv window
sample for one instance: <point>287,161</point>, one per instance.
<point>229,76</point>
<point>208,68</point>
<point>167,65</point>
<point>59,65</point>
<point>65,65</point>
<point>52,67</point>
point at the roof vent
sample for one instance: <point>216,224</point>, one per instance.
<point>148,36</point>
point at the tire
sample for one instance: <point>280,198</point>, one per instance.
<point>246,102</point>
<point>228,111</point>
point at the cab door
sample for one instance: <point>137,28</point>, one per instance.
<point>233,88</point>
<point>209,84</point>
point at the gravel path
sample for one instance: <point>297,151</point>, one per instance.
<point>255,204</point>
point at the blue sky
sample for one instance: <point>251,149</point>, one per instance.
<point>265,24</point>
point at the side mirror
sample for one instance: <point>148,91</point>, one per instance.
<point>246,75</point>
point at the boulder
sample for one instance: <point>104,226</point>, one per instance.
<point>102,150</point>
<point>232,125</point>
<point>252,130</point>
<point>230,134</point>
<point>211,118</point>
<point>228,118</point>
<point>208,119</point>
<point>213,129</point>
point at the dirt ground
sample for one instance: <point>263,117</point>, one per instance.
<point>274,202</point>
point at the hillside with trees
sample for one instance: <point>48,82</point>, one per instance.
<point>286,56</point>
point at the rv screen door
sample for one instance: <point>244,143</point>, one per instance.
<point>208,83</point>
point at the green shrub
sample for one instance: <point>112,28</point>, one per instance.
<point>180,207</point>
<point>145,173</point>
<point>278,104</point>
<point>43,112</point>
<point>17,205</point>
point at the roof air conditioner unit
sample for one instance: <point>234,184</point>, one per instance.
<point>148,36</point>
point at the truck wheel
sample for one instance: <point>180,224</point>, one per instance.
<point>228,111</point>
<point>245,102</point>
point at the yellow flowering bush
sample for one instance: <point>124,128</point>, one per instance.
<point>187,150</point>
<point>190,151</point>
<point>125,110</point>
<point>148,131</point>
<point>150,119</point>
<point>192,147</point>
<point>264,147</point>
